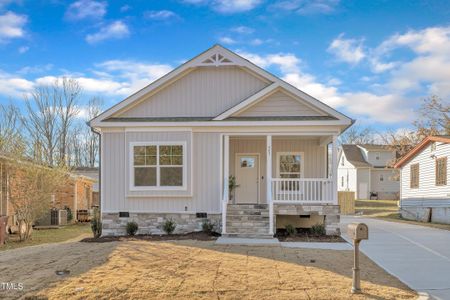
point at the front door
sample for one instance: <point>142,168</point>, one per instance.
<point>247,178</point>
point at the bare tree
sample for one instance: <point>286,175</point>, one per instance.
<point>94,109</point>
<point>358,135</point>
<point>434,117</point>
<point>11,139</point>
<point>51,111</point>
<point>68,92</point>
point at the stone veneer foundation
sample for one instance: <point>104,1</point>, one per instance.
<point>150,223</point>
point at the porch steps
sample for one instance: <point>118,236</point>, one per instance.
<point>248,221</point>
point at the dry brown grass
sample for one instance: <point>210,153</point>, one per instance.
<point>202,270</point>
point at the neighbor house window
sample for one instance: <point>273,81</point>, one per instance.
<point>441,171</point>
<point>342,181</point>
<point>158,165</point>
<point>381,178</point>
<point>290,165</point>
<point>343,161</point>
<point>414,176</point>
<point>377,156</point>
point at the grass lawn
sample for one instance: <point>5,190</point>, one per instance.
<point>44,236</point>
<point>191,269</point>
<point>388,210</point>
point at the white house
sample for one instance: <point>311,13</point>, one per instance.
<point>425,190</point>
<point>168,150</point>
<point>365,169</point>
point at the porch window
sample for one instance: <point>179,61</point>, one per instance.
<point>289,164</point>
<point>158,165</point>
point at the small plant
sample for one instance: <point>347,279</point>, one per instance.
<point>69,214</point>
<point>96,224</point>
<point>232,185</point>
<point>290,230</point>
<point>208,226</point>
<point>132,228</point>
<point>169,226</point>
<point>318,229</point>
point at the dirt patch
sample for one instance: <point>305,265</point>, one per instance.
<point>199,236</point>
<point>187,269</point>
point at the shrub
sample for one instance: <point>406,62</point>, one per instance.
<point>290,230</point>
<point>96,224</point>
<point>69,214</point>
<point>169,226</point>
<point>132,228</point>
<point>208,227</point>
<point>318,229</point>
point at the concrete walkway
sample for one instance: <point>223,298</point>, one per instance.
<point>417,255</point>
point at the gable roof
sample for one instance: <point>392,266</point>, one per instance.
<point>411,154</point>
<point>217,56</point>
<point>375,147</point>
<point>354,156</point>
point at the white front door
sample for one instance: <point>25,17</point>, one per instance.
<point>363,191</point>
<point>247,178</point>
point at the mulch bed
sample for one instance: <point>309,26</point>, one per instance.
<point>306,236</point>
<point>199,236</point>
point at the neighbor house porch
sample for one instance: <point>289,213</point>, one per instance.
<point>270,180</point>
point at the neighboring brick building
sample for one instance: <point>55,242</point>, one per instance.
<point>77,194</point>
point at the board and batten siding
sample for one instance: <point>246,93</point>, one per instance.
<point>204,92</point>
<point>279,104</point>
<point>203,181</point>
<point>314,159</point>
<point>427,186</point>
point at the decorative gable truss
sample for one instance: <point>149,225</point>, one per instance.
<point>217,59</point>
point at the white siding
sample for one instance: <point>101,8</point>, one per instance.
<point>385,158</point>
<point>206,175</point>
<point>204,92</point>
<point>427,187</point>
<point>314,155</point>
<point>347,172</point>
<point>387,185</point>
<point>280,104</point>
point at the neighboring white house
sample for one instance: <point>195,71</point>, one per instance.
<point>168,150</point>
<point>365,169</point>
<point>425,190</point>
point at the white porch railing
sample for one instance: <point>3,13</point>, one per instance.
<point>302,190</point>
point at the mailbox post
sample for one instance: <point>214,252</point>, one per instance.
<point>357,232</point>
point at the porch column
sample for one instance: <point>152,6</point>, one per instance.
<point>269,181</point>
<point>334,166</point>
<point>226,171</point>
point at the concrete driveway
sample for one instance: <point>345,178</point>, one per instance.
<point>417,255</point>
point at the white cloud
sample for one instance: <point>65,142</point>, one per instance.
<point>227,40</point>
<point>23,49</point>
<point>227,6</point>
<point>115,30</point>
<point>86,9</point>
<point>347,50</point>
<point>243,30</point>
<point>307,7</point>
<point>125,8</point>
<point>160,15</point>
<point>13,85</point>
<point>234,6</point>
<point>12,26</point>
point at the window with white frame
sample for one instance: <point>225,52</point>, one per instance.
<point>381,177</point>
<point>158,165</point>
<point>290,164</point>
<point>377,155</point>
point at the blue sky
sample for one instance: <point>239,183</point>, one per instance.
<point>373,60</point>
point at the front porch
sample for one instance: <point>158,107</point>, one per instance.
<point>280,179</point>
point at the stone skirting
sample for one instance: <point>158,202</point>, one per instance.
<point>150,223</point>
<point>331,214</point>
